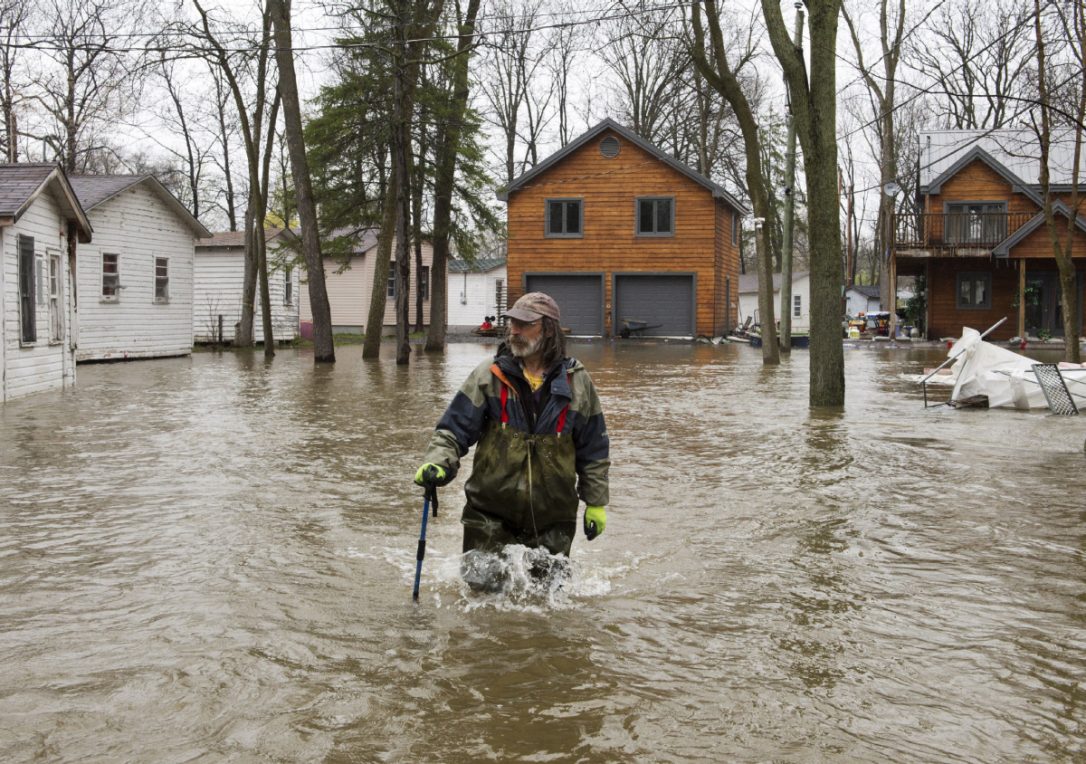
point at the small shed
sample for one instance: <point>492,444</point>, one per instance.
<point>862,298</point>
<point>40,222</point>
<point>218,280</point>
<point>135,281</point>
<point>801,299</point>
<point>476,290</point>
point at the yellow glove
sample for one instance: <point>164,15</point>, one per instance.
<point>595,520</point>
<point>430,474</point>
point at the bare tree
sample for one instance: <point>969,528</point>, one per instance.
<point>323,346</point>
<point>722,73</point>
<point>1052,69</point>
<point>14,15</point>
<point>252,114</point>
<point>90,81</point>
<point>978,58</point>
<point>814,107</point>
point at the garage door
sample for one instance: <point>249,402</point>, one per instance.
<point>580,298</point>
<point>663,302</point>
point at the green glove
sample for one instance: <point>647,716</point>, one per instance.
<point>595,520</point>
<point>430,474</point>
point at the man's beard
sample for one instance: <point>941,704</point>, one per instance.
<point>522,348</point>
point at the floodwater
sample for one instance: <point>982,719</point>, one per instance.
<point>211,559</point>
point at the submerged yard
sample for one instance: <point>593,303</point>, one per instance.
<point>211,558</point>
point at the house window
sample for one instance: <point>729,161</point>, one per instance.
<point>162,279</point>
<point>564,217</point>
<point>655,217</point>
<point>390,290</point>
<point>797,306</point>
<point>288,286</point>
<point>976,222</point>
<point>28,318</point>
<point>111,277</point>
<point>974,290</point>
<point>56,317</point>
<point>424,282</point>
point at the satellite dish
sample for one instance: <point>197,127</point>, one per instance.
<point>891,189</point>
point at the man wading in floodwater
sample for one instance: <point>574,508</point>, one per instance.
<point>542,444</point>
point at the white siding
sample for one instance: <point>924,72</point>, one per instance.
<point>860,303</point>
<point>349,292</point>
<point>748,305</point>
<point>44,364</point>
<point>472,296</point>
<point>138,226</point>
<point>219,274</point>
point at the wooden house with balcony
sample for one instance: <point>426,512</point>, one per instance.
<point>979,236</point>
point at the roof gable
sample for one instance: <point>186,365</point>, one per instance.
<point>1004,248</point>
<point>95,190</point>
<point>556,158</point>
<point>21,184</point>
<point>979,154</point>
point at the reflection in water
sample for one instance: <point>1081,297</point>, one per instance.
<point>231,542</point>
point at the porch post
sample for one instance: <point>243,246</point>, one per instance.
<point>1022,298</point>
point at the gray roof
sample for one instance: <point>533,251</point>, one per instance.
<point>748,282</point>
<point>1015,151</point>
<point>20,184</point>
<point>717,190</point>
<point>481,265</point>
<point>867,290</point>
<point>95,190</point>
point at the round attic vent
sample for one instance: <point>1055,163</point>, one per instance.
<point>609,147</point>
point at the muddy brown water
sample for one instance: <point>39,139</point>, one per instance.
<point>211,558</point>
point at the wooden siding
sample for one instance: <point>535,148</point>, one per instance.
<point>139,227</point>
<point>350,292</point>
<point>42,365</point>
<point>609,189</point>
<point>218,277</point>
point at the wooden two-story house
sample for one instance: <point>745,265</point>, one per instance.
<point>623,235</point>
<point>979,237</point>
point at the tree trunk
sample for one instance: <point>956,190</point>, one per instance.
<point>243,338</point>
<point>371,348</point>
<point>815,109</point>
<point>448,144</point>
<point>323,345</point>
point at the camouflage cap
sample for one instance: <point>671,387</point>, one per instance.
<point>534,306</point>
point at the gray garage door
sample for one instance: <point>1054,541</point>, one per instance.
<point>580,299</point>
<point>664,302</point>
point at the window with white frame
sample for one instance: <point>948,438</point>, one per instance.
<point>797,306</point>
<point>162,279</point>
<point>424,282</point>
<point>390,290</point>
<point>56,315</point>
<point>655,216</point>
<point>28,310</point>
<point>288,285</point>
<point>111,277</point>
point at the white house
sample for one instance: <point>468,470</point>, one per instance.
<point>218,280</point>
<point>135,280</point>
<point>862,298</point>
<point>40,221</point>
<point>475,290</point>
<point>349,282</point>
<point>801,299</point>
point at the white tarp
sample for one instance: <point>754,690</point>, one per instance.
<point>1004,376</point>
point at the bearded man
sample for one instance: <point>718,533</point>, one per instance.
<point>541,440</point>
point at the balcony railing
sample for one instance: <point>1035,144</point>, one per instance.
<point>956,230</point>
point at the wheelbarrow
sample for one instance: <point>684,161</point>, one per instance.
<point>631,327</point>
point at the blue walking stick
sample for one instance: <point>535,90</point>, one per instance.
<point>430,497</point>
